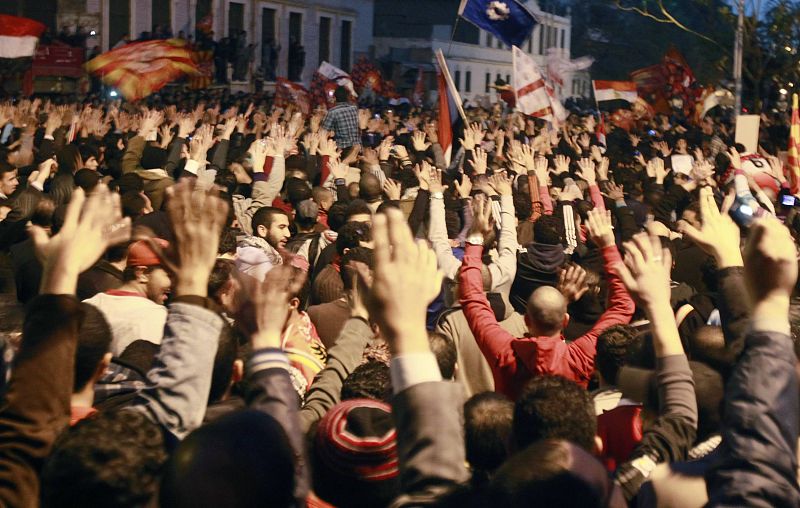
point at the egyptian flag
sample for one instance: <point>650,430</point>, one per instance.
<point>18,38</point>
<point>451,113</point>
<point>601,130</point>
<point>614,94</point>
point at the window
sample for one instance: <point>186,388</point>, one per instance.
<point>530,44</point>
<point>468,82</point>
<point>563,35</point>
<point>457,80</point>
<point>499,44</point>
<point>297,53</point>
<point>346,45</point>
<point>119,21</point>
<point>324,39</point>
<point>541,38</point>
<point>162,16</point>
<point>235,19</point>
<point>488,82</point>
<point>488,41</point>
<point>508,79</point>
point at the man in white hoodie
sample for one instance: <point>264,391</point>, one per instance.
<point>257,254</point>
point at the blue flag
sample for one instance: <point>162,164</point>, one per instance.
<point>508,20</point>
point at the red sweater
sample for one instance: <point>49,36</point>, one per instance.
<point>514,361</point>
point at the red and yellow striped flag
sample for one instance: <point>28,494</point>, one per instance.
<point>794,147</point>
<point>142,68</point>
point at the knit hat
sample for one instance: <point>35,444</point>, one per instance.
<point>141,254</point>
<point>355,454</point>
<point>328,286</point>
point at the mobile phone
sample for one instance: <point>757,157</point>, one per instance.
<point>651,132</point>
<point>788,200</point>
<point>743,214</point>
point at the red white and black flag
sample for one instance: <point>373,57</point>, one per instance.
<point>18,39</point>
<point>18,36</point>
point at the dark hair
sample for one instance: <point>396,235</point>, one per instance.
<point>43,213</point>
<point>132,204</point>
<point>553,472</point>
<point>488,417</point>
<point>613,345</point>
<point>242,460</point>
<point>86,179</point>
<point>341,94</point>
<point>297,190</point>
<point>362,254</point>
<point>337,215</point>
<point>554,407</point>
<point>357,207</point>
<point>130,182</point>
<point>6,167</point>
<point>227,241</point>
<point>113,457</point>
<point>369,380</point>
<point>227,352</point>
<point>264,217</point>
<point>220,274</point>
<point>444,349</point>
<point>227,180</point>
<point>547,230</point>
<point>94,341</point>
<point>351,235</point>
<point>87,152</point>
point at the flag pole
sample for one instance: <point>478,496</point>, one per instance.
<point>455,25</point>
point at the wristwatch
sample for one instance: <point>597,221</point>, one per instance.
<point>437,195</point>
<point>475,239</point>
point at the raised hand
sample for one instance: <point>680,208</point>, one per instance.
<point>646,272</point>
<point>464,188</point>
<point>541,168</point>
<point>770,262</point>
<point>166,135</point>
<point>201,143</point>
<point>572,282</point>
<point>478,162</point>
<point>431,132</point>
<point>423,176</point>
<point>91,225</point>
<point>186,125</point>
<point>656,169</point>
<point>562,164</point>
<point>385,148</point>
<point>602,169</point>
<point>197,218</point>
<point>718,236</point>
<point>370,157</point>
<point>615,192</point>
<point>311,142</point>
<point>598,225</point>
<point>501,183</point>
<point>418,140</point>
<point>481,216</point>
<point>587,171</point>
<point>406,280</point>
<point>434,179</point>
<point>392,189</point>
<point>327,147</point>
<point>150,122</point>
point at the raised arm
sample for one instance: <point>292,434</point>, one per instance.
<point>36,405</point>
<point>426,410</point>
<point>646,275</point>
<point>504,268</point>
<point>180,379</point>
<point>758,454</point>
<point>437,229</point>
<point>493,341</point>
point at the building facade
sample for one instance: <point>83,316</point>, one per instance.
<point>406,40</point>
<point>338,31</point>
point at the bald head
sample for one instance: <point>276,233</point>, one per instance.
<point>547,308</point>
<point>369,188</point>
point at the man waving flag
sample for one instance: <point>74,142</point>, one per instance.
<point>508,20</point>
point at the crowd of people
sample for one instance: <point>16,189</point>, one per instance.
<point>232,304</point>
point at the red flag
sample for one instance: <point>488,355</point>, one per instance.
<point>794,147</point>
<point>18,36</point>
<point>142,68</point>
<point>288,92</point>
<point>601,130</point>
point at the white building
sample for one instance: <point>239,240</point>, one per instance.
<point>475,58</point>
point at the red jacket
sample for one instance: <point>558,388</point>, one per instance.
<point>514,361</point>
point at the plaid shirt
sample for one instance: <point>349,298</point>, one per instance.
<point>342,119</point>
